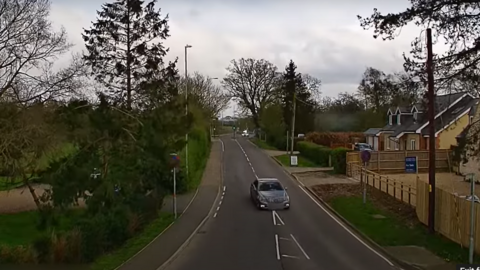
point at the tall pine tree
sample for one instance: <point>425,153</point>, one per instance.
<point>305,105</point>
<point>124,47</point>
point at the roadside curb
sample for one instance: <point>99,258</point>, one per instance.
<point>399,262</point>
<point>204,220</point>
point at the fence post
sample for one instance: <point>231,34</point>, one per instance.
<point>380,182</point>
<point>409,193</point>
<point>394,189</point>
<point>401,191</point>
<point>388,184</point>
<point>374,181</point>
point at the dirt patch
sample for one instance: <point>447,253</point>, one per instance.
<point>447,181</point>
<point>310,179</point>
<point>380,199</point>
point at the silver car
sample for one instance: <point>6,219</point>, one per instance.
<point>269,193</point>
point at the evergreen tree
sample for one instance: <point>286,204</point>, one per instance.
<point>124,46</point>
<point>305,108</point>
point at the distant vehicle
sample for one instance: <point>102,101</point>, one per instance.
<point>269,193</point>
<point>301,135</point>
<point>245,133</point>
<point>362,146</point>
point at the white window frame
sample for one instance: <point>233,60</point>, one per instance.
<point>398,119</point>
<point>390,119</point>
<point>413,145</point>
<point>397,144</point>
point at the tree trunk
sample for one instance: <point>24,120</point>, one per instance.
<point>32,192</point>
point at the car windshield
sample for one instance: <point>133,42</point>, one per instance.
<point>270,186</point>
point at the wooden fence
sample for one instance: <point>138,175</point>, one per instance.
<point>395,188</point>
<point>452,215</point>
<point>394,161</point>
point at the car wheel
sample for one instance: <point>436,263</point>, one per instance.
<point>287,208</point>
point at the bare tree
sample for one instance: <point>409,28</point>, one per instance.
<point>28,48</point>
<point>209,96</point>
<point>253,83</point>
<point>313,85</point>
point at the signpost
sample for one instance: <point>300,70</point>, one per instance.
<point>293,161</point>
<point>365,155</point>
<point>411,165</point>
<point>174,163</point>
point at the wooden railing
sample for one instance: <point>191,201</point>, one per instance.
<point>397,189</point>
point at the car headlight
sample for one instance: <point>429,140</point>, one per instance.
<point>262,199</point>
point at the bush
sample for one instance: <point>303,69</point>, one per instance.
<point>329,138</point>
<point>318,154</point>
<point>339,160</point>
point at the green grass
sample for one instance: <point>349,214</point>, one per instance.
<point>302,161</point>
<point>392,231</point>
<point>132,246</point>
<point>21,228</point>
<point>263,144</point>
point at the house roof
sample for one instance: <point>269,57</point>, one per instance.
<point>372,131</point>
<point>410,125</point>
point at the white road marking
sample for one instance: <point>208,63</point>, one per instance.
<point>290,256</point>
<point>277,247</point>
<point>246,156</point>
<point>276,216</point>
<point>286,239</point>
<point>300,247</point>
<point>220,202</point>
<point>345,227</point>
<point>274,219</point>
<point>223,146</point>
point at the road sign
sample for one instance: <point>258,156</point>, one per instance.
<point>174,160</point>
<point>293,161</point>
<point>365,155</point>
<point>411,164</point>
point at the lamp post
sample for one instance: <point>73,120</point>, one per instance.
<point>186,105</point>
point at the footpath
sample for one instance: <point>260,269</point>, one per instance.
<point>167,244</point>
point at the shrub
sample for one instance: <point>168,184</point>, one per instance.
<point>329,138</point>
<point>339,160</point>
<point>319,154</point>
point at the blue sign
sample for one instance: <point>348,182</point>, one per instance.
<point>411,164</point>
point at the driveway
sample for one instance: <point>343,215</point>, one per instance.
<point>239,237</point>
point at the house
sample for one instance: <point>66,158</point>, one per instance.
<point>407,127</point>
<point>373,138</point>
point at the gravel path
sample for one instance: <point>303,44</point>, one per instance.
<point>19,199</point>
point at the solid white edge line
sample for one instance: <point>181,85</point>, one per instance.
<point>300,247</point>
<point>277,247</point>
<point>345,227</point>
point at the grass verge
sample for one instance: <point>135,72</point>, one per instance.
<point>302,161</point>
<point>21,228</point>
<point>134,245</point>
<point>263,144</point>
<point>393,230</point>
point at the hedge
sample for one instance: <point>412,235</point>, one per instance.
<point>314,152</point>
<point>339,160</point>
<point>329,138</point>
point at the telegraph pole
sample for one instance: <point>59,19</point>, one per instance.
<point>431,134</point>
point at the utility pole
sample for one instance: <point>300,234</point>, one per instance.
<point>292,136</point>
<point>186,106</point>
<point>431,134</point>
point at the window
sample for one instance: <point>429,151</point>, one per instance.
<point>415,116</point>
<point>413,145</point>
<point>398,119</point>
<point>390,120</point>
<point>270,186</point>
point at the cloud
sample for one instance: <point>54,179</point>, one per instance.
<point>323,38</point>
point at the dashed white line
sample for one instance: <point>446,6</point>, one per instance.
<point>300,247</point>
<point>220,202</point>
<point>277,247</point>
<point>223,146</point>
<point>248,160</point>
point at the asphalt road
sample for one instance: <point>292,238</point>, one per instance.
<point>239,237</point>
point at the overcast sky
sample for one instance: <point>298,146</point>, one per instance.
<point>323,38</point>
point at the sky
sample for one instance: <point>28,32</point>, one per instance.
<point>323,38</point>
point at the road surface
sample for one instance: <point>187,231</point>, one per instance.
<point>239,237</point>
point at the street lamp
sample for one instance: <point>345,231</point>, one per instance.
<point>186,105</point>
